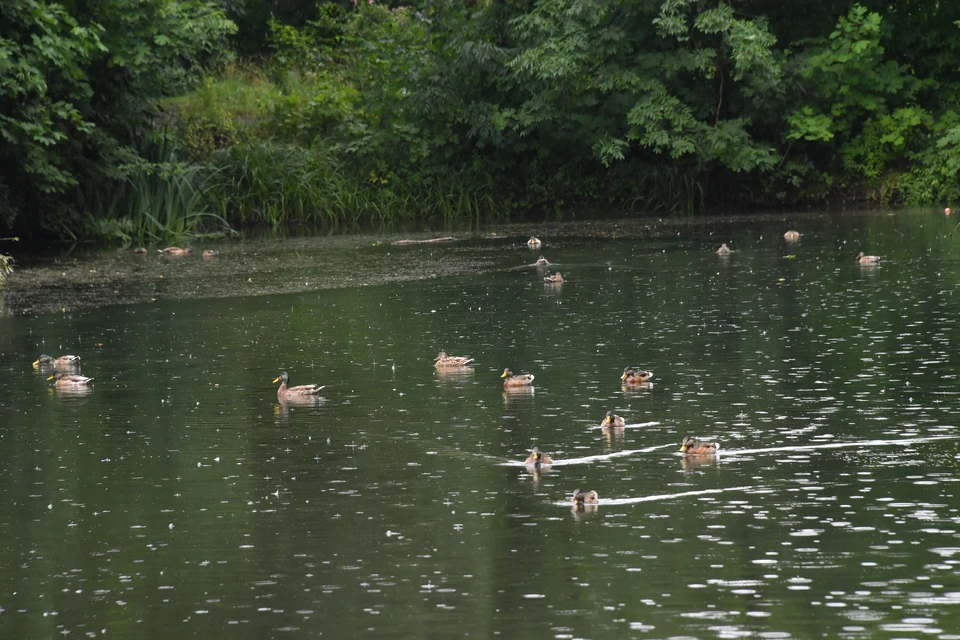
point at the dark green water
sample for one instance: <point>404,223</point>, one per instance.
<point>179,498</point>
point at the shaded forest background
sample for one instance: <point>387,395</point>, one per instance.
<point>142,120</point>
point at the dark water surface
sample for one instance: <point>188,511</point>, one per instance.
<point>179,498</point>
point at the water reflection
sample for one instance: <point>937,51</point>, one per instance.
<point>387,509</point>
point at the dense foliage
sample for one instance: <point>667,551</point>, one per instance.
<point>134,118</point>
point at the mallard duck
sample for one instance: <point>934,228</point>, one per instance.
<point>692,447</point>
<point>140,250</point>
<point>174,251</point>
<point>67,381</point>
<point>63,362</point>
<point>612,420</point>
<point>635,376</point>
<point>285,392</point>
<point>211,253</point>
<point>523,380</point>
<point>542,262</point>
<point>537,458</point>
<point>581,497</point>
<point>724,250</point>
<point>443,360</point>
<point>791,236</point>
<point>534,242</point>
<point>864,259</point>
<point>554,279</point>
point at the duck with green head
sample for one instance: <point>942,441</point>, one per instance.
<point>63,362</point>
<point>285,392</point>
<point>612,421</point>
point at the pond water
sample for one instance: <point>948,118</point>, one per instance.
<point>178,497</point>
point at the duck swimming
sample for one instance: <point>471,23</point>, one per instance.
<point>284,392</point>
<point>443,360</point>
<point>581,497</point>
<point>538,458</point>
<point>612,420</point>
<point>63,362</point>
<point>66,381</point>
<point>692,447</point>
<point>510,380</point>
<point>635,376</point>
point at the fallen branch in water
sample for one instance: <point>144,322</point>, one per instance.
<point>431,240</point>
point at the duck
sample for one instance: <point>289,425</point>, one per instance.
<point>724,250</point>
<point>174,251</point>
<point>537,458</point>
<point>284,392</point>
<point>534,242</point>
<point>140,250</point>
<point>63,362</point>
<point>692,447</point>
<point>443,360</point>
<point>67,381</point>
<point>635,376</point>
<point>554,279</point>
<point>522,380</point>
<point>791,236</point>
<point>542,262</point>
<point>864,259</point>
<point>612,420</point>
<point>581,497</point>
<point>211,253</point>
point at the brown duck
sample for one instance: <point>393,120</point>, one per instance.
<point>299,391</point>
<point>692,447</point>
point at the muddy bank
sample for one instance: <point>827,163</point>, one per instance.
<point>255,267</point>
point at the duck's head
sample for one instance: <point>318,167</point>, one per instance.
<point>283,377</point>
<point>441,356</point>
<point>609,418</point>
<point>507,373</point>
<point>687,443</point>
<point>56,376</point>
<point>43,359</point>
<point>627,372</point>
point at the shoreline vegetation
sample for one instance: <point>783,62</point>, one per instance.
<point>147,121</point>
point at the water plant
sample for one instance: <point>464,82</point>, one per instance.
<point>159,197</point>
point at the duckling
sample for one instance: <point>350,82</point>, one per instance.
<point>692,447</point>
<point>863,259</point>
<point>612,421</point>
<point>174,251</point>
<point>791,236</point>
<point>724,250</point>
<point>538,458</point>
<point>522,380</point>
<point>63,362</point>
<point>635,376</point>
<point>580,497</point>
<point>554,279</point>
<point>534,242</point>
<point>443,360</point>
<point>542,262</point>
<point>284,392</point>
<point>66,381</point>
<point>210,253</point>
